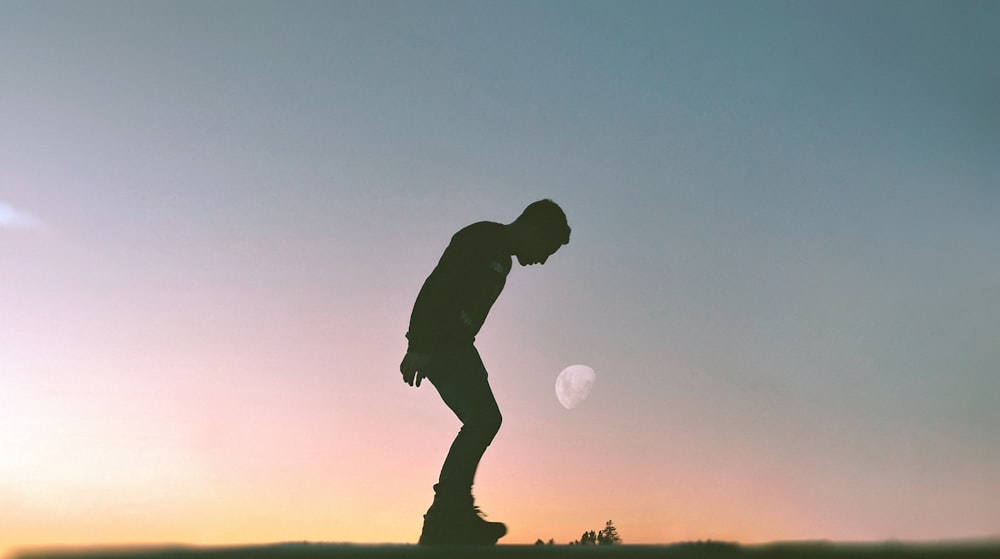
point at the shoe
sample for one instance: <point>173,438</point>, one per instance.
<point>459,526</point>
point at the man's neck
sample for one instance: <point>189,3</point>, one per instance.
<point>512,233</point>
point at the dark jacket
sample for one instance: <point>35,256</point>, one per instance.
<point>455,299</point>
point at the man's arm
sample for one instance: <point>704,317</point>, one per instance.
<point>436,320</point>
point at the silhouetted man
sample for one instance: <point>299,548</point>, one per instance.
<point>450,309</point>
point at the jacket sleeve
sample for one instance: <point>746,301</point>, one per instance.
<point>435,321</point>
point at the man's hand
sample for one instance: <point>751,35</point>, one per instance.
<point>413,367</point>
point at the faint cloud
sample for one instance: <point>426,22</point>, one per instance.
<point>12,218</point>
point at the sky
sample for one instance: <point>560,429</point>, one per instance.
<point>215,218</point>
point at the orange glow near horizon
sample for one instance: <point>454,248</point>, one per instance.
<point>121,472</point>
<point>234,451</point>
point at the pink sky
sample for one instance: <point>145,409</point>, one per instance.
<point>214,219</point>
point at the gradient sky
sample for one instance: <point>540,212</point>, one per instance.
<point>215,217</point>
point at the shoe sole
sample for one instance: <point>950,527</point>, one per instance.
<point>458,538</point>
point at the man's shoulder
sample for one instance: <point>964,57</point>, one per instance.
<point>488,232</point>
<point>483,238</point>
<point>482,228</point>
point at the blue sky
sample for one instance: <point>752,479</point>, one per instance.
<point>783,265</point>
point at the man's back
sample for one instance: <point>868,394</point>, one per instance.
<point>456,297</point>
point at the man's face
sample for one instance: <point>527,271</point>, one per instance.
<point>536,250</point>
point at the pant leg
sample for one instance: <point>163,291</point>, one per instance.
<point>461,380</point>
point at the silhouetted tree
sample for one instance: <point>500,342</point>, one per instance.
<point>609,535</point>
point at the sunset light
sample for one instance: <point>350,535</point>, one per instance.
<point>777,318</point>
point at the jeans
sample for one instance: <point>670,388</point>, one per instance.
<point>460,378</point>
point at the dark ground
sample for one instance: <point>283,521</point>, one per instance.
<point>700,550</point>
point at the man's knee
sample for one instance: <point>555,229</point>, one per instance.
<point>493,421</point>
<point>486,423</point>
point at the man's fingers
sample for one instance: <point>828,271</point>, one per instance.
<point>411,368</point>
<point>409,373</point>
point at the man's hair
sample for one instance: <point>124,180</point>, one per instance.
<point>549,217</point>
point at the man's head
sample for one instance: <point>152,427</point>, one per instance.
<point>539,232</point>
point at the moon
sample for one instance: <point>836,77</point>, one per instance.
<point>573,385</point>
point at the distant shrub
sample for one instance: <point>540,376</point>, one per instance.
<point>608,536</point>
